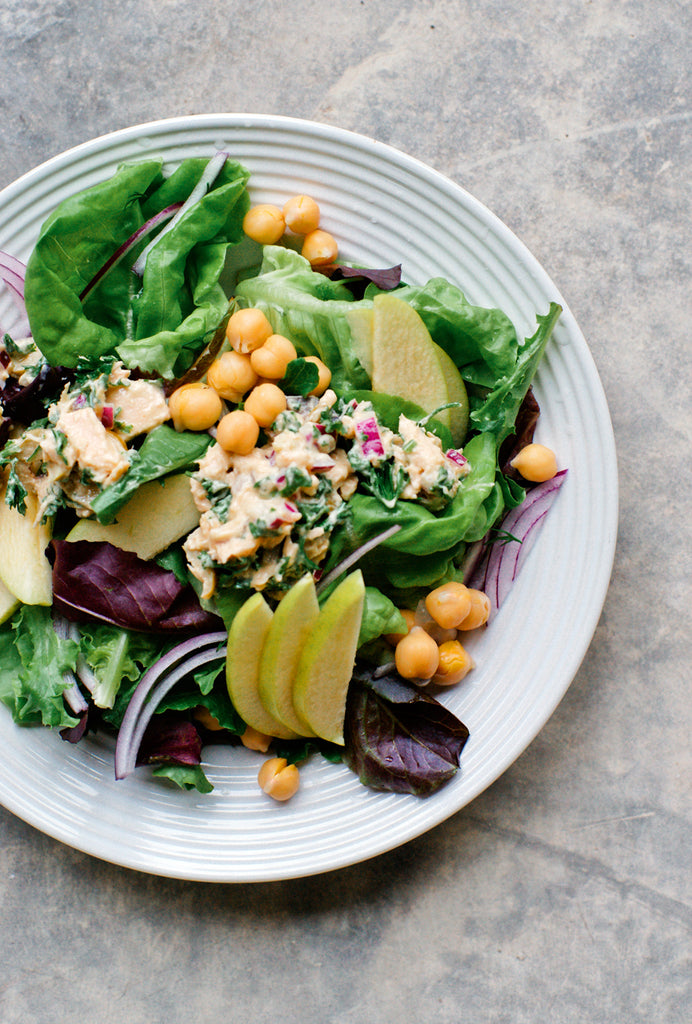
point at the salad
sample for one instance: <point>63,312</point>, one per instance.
<point>250,493</point>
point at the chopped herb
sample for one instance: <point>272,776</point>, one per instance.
<point>295,478</point>
<point>301,377</point>
<point>15,494</point>
<point>502,537</point>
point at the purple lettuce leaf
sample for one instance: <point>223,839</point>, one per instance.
<point>399,738</point>
<point>26,403</point>
<point>102,582</point>
<point>524,429</point>
<point>358,278</point>
<point>170,740</point>
<point>73,734</point>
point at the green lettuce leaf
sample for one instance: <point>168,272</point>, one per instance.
<point>116,655</point>
<point>300,378</point>
<point>32,662</point>
<point>497,412</point>
<point>163,451</point>
<point>74,243</point>
<point>308,308</point>
<point>157,324</point>
<point>186,776</point>
<point>481,342</point>
<point>206,689</point>
<point>380,616</point>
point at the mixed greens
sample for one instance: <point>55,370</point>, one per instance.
<point>109,306</point>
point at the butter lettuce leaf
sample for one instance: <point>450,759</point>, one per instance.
<point>380,616</point>
<point>427,546</point>
<point>309,308</point>
<point>156,324</point>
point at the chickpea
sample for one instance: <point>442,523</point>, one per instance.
<point>410,620</point>
<point>231,375</point>
<point>319,248</point>
<point>278,778</point>
<point>324,375</point>
<point>536,463</point>
<point>302,215</point>
<point>455,663</point>
<point>449,604</point>
<point>479,612</point>
<point>265,402</point>
<point>194,407</point>
<point>237,432</point>
<point>272,359</point>
<point>204,717</point>
<point>264,223</point>
<point>247,329</point>
<point>254,740</point>
<point>417,655</point>
<point>424,618</point>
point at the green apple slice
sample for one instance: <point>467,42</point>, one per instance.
<point>290,627</point>
<point>8,603</point>
<point>457,418</point>
<point>158,514</point>
<point>325,668</point>
<point>407,362</point>
<point>24,568</point>
<point>246,639</point>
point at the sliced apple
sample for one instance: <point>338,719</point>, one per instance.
<point>8,603</point>
<point>157,515</point>
<point>407,362</point>
<point>293,620</point>
<point>24,567</point>
<point>320,687</point>
<point>246,640</point>
<point>457,418</point>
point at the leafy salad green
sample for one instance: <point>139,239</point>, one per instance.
<point>159,327</point>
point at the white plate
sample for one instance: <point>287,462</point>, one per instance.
<point>384,208</point>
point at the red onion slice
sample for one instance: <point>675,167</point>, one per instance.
<point>495,572</point>
<point>164,686</point>
<point>12,272</point>
<point>122,251</point>
<point>457,457</point>
<point>355,556</point>
<point>72,695</point>
<point>181,657</point>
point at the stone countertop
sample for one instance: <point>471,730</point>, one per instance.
<point>561,893</point>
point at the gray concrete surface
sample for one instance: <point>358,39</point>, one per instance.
<point>562,894</point>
